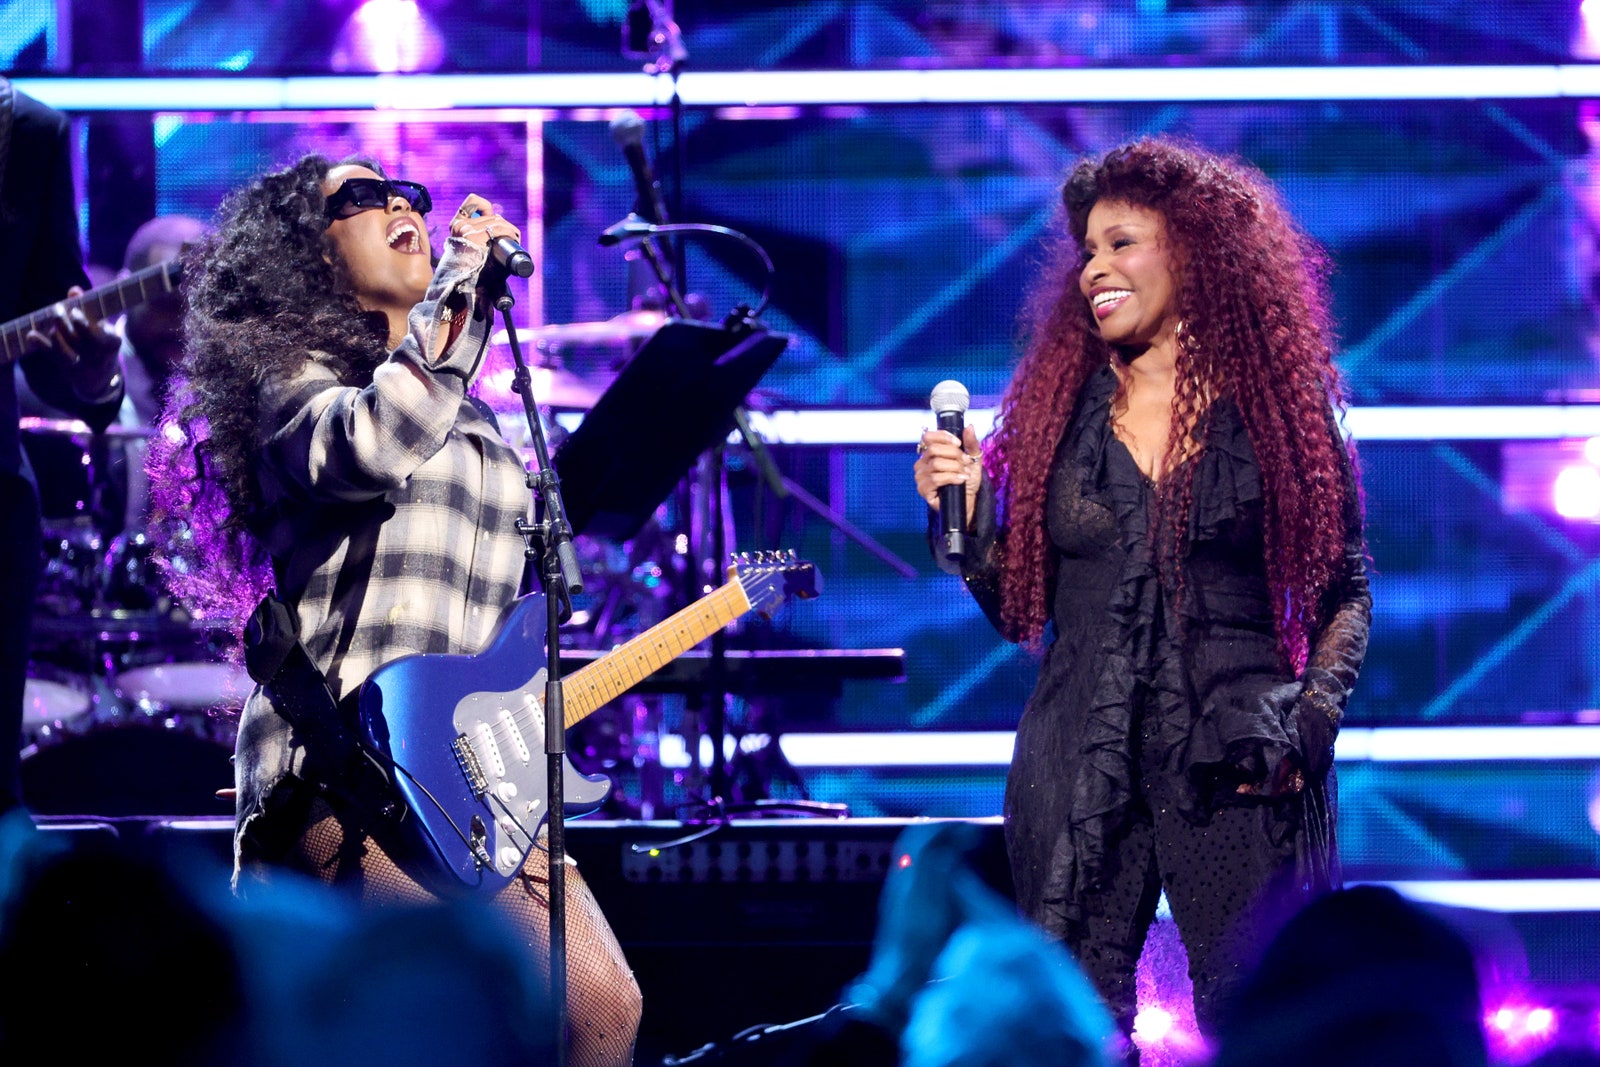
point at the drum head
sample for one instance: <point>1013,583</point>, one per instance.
<point>53,707</point>
<point>46,701</point>
<point>184,686</point>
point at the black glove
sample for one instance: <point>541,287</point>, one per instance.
<point>1316,724</point>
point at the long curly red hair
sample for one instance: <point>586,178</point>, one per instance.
<point>1253,299</point>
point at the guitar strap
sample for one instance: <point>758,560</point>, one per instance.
<point>277,660</point>
<point>353,778</point>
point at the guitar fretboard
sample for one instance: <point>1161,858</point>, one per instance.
<point>632,662</point>
<point>102,302</point>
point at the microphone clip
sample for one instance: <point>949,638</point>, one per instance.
<point>632,227</point>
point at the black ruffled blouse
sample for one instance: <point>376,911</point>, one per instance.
<point>1212,686</point>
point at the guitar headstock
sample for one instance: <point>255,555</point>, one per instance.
<point>770,578</point>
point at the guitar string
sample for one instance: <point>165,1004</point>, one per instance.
<point>33,320</point>
<point>527,716</point>
<point>604,682</point>
<point>603,673</point>
<point>531,708</point>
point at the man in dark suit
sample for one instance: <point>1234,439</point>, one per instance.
<point>70,362</point>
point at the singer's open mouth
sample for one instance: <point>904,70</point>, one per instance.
<point>403,236</point>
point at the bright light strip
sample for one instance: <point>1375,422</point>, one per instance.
<point>914,748</point>
<point>857,426</point>
<point>1389,744</point>
<point>1533,422</point>
<point>1506,895</point>
<point>431,92</point>
<point>822,87</point>
<point>1429,744</point>
<point>903,426</point>
<point>1133,85</point>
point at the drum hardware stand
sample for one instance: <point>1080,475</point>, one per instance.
<point>550,542</point>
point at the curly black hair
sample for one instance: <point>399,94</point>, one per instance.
<point>264,289</point>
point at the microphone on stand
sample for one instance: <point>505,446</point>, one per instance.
<point>627,129</point>
<point>950,401</point>
<point>509,253</point>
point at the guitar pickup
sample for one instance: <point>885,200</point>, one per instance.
<point>471,769</point>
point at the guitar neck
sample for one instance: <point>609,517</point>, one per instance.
<point>602,681</point>
<point>102,302</point>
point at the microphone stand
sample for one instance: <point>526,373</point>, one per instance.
<point>550,541</point>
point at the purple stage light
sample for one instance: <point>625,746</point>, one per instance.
<point>1586,33</point>
<point>1558,477</point>
<point>388,36</point>
<point>1576,492</point>
<point>1152,1024</point>
<point>1518,1031</point>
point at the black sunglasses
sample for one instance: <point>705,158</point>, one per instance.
<point>355,195</point>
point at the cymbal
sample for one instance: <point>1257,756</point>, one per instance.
<point>616,331</point>
<point>77,428</point>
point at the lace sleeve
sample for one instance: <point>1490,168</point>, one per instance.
<point>1341,645</point>
<point>979,571</point>
<point>1338,650</point>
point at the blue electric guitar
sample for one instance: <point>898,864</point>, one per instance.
<point>464,735</point>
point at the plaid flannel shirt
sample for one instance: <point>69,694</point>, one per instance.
<point>393,514</point>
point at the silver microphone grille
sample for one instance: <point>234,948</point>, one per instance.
<point>627,128</point>
<point>950,396</point>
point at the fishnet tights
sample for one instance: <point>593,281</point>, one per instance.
<point>603,1002</point>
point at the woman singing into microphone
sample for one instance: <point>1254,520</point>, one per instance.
<point>329,438</point>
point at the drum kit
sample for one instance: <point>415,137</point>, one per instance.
<point>112,656</point>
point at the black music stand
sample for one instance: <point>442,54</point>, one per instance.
<point>672,401</point>
<point>675,399</point>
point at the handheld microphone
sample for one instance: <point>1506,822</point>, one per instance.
<point>627,129</point>
<point>950,401</point>
<point>512,256</point>
<point>509,253</point>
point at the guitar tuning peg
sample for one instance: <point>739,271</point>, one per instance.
<point>794,557</point>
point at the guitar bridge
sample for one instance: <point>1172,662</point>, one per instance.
<point>471,769</point>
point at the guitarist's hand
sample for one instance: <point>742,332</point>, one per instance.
<point>91,347</point>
